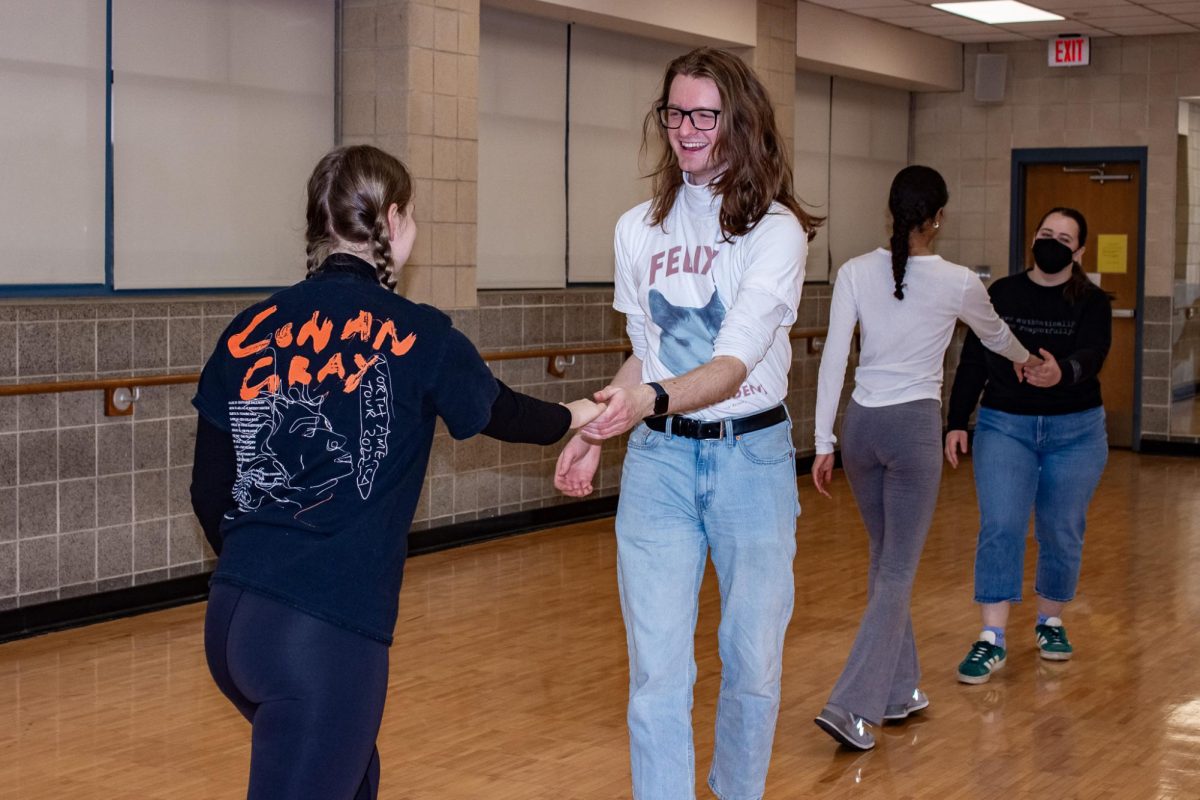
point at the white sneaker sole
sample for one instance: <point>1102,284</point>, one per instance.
<point>1052,656</point>
<point>907,712</point>
<point>836,732</point>
<point>975,680</point>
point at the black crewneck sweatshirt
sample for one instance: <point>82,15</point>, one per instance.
<point>1078,334</point>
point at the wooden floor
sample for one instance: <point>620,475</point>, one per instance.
<point>508,674</point>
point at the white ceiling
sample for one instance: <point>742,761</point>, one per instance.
<point>1092,17</point>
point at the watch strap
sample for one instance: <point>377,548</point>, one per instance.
<point>661,398</point>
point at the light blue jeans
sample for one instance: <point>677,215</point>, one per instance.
<point>1049,465</point>
<point>682,499</point>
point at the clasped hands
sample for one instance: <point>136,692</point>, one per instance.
<point>616,410</point>
<point>1040,372</point>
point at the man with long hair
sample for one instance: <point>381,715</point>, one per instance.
<point>708,273</point>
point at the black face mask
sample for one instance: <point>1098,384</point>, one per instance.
<point>1052,255</point>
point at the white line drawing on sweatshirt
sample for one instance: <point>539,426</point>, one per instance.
<point>289,451</point>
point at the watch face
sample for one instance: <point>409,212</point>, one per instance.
<point>661,400</point>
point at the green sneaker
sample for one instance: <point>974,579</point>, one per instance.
<point>984,659</point>
<point>1052,640</point>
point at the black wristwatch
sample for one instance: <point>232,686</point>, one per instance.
<point>661,399</point>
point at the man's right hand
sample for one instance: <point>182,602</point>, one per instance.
<point>626,406</point>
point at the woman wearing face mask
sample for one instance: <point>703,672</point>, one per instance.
<point>1040,443</point>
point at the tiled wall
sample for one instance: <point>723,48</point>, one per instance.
<point>410,82</point>
<point>90,503</point>
<point>1128,96</point>
<point>774,59</point>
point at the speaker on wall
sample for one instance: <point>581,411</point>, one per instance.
<point>990,70</point>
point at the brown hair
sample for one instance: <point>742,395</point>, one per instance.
<point>757,168</point>
<point>349,194</point>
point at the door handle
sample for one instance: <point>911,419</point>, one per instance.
<point>1124,313</point>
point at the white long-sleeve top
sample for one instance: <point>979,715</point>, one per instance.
<point>689,295</point>
<point>903,341</point>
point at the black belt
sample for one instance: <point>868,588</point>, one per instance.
<point>716,429</point>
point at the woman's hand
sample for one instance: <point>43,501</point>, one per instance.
<point>822,473</point>
<point>583,411</point>
<point>956,442</point>
<point>576,467</point>
<point>1030,363</point>
<point>1048,373</point>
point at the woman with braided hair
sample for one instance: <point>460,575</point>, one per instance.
<point>905,302</point>
<point>317,413</point>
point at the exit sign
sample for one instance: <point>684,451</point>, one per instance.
<point>1070,51</point>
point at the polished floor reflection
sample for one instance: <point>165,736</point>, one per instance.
<point>508,674</point>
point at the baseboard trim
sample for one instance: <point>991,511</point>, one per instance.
<point>1184,391</point>
<point>445,537</point>
<point>57,615</point>
<point>19,623</point>
<point>1162,447</point>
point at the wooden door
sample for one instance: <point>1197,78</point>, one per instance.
<point>1110,204</point>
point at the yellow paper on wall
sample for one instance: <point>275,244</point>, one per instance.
<point>1112,252</point>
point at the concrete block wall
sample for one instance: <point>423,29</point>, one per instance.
<point>1127,97</point>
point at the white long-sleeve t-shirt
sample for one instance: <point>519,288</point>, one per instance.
<point>690,296</point>
<point>903,341</point>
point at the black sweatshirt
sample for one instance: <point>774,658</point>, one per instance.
<point>1077,334</point>
<point>318,409</point>
<point>516,417</point>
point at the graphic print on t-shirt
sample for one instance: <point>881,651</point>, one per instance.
<point>277,438</point>
<point>688,333</point>
<point>300,430</point>
<point>374,424</point>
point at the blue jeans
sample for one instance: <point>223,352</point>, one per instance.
<point>680,500</point>
<point>1050,465</point>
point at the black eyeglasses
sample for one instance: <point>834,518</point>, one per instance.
<point>702,119</point>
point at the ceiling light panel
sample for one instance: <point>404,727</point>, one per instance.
<point>998,12</point>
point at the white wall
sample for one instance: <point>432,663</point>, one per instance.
<point>729,23</point>
<point>851,140</point>
<point>810,163</point>
<point>615,79</point>
<point>868,146</point>
<point>52,90</point>
<point>522,125</point>
<point>220,112</point>
<point>838,43</point>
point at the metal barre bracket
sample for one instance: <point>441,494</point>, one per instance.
<point>119,400</point>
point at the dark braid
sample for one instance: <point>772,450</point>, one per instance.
<point>349,195</point>
<point>900,230</point>
<point>916,196</point>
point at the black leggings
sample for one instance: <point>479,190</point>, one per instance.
<point>313,692</point>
